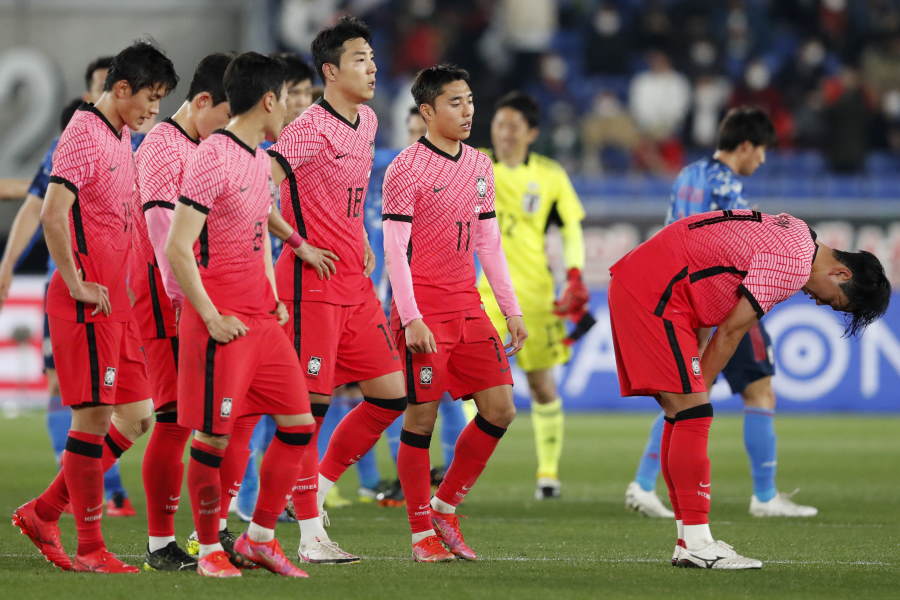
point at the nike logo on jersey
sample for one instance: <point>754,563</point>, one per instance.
<point>244,189</point>
<point>339,156</point>
<point>438,189</point>
<point>113,168</point>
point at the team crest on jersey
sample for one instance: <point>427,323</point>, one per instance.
<point>109,378</point>
<point>425,375</point>
<point>314,365</point>
<point>225,408</point>
<point>481,187</point>
<point>532,198</point>
<point>783,221</point>
<point>695,364</point>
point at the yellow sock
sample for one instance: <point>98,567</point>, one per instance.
<point>548,436</point>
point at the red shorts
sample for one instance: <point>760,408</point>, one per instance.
<point>98,363</point>
<point>469,358</point>
<point>653,353</point>
<point>257,374</point>
<point>162,365</point>
<point>341,344</point>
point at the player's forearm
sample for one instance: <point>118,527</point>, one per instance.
<point>717,354</point>
<point>396,241</point>
<point>23,227</point>
<point>181,258</point>
<point>159,222</point>
<point>13,188</point>
<point>279,227</point>
<point>267,264</point>
<point>573,245</point>
<point>490,252</point>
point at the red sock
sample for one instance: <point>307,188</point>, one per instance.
<point>84,477</point>
<point>357,432</point>
<point>231,473</point>
<point>53,501</point>
<point>279,470</point>
<point>304,490</point>
<point>163,472</point>
<point>474,447</point>
<point>668,427</point>
<point>205,489</point>
<point>414,470</point>
<point>688,462</point>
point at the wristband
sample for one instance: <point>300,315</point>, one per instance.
<point>294,240</point>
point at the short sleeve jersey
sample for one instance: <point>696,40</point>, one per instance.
<point>703,186</point>
<point>531,197</point>
<point>160,163</point>
<point>94,161</point>
<point>702,264</point>
<point>443,197</point>
<point>229,181</point>
<point>327,160</point>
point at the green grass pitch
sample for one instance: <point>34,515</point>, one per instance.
<point>582,546</point>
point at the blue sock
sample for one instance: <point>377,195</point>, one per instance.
<point>648,468</point>
<point>259,441</point>
<point>58,422</point>
<point>339,407</point>
<point>759,440</point>
<point>112,482</point>
<point>367,469</point>
<point>453,420</point>
<point>393,436</point>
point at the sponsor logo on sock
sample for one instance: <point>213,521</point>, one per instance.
<point>704,484</point>
<point>314,365</point>
<point>466,488</point>
<point>695,364</point>
<point>174,498</point>
<point>425,375</point>
<point>704,495</point>
<point>209,502</point>
<point>109,378</point>
<point>225,408</point>
<point>91,509</point>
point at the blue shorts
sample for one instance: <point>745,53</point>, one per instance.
<point>752,360</point>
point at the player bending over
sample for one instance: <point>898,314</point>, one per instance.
<point>722,269</point>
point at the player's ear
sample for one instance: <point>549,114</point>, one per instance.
<point>841,273</point>
<point>121,89</point>
<point>329,70</point>
<point>533,134</point>
<point>427,112</point>
<point>202,100</point>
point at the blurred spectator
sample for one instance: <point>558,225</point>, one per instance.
<point>659,98</point>
<point>847,116</point>
<point>881,64</point>
<point>607,44</point>
<point>757,89</point>
<point>710,96</point>
<point>528,27</point>
<point>608,136</point>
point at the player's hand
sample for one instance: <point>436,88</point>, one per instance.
<point>281,313</point>
<point>419,338</point>
<point>318,258</point>
<point>369,261</point>
<point>91,292</point>
<point>226,328</point>
<point>575,296</point>
<point>6,277</point>
<point>517,335</point>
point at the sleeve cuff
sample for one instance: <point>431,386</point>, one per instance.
<point>760,313</point>
<point>159,203</point>
<point>63,181</point>
<point>195,205</point>
<point>396,217</point>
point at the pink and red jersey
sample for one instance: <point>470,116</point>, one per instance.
<point>160,161</point>
<point>93,160</point>
<point>228,181</point>
<point>443,197</point>
<point>702,264</point>
<point>327,160</point>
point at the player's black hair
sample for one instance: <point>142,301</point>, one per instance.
<point>209,77</point>
<point>868,290</point>
<point>745,124</point>
<point>249,77</point>
<point>142,65</point>
<point>102,62</point>
<point>523,103</point>
<point>68,111</point>
<point>430,82</point>
<point>296,69</point>
<point>329,44</point>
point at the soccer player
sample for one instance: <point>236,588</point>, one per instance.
<point>160,164</point>
<point>322,162</point>
<point>234,359</point>
<point>87,221</point>
<point>438,210</point>
<point>722,269</point>
<point>533,192</point>
<point>714,184</point>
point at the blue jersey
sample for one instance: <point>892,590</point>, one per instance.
<point>703,186</point>
<point>383,158</point>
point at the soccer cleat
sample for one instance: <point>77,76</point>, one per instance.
<point>325,552</point>
<point>547,488</point>
<point>676,554</point>
<point>43,534</point>
<point>333,499</point>
<point>431,550</point>
<point>228,539</point>
<point>447,527</point>
<point>646,503</point>
<point>781,506</point>
<point>268,555</point>
<point>169,558</point>
<point>716,555</point>
<point>393,496</point>
<point>102,561</point>
<point>119,506</point>
<point>192,544</point>
<point>216,564</point>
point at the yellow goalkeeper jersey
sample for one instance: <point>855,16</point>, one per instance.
<point>529,198</point>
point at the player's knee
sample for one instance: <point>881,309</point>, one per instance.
<point>543,394</point>
<point>220,442</point>
<point>501,416</point>
<point>759,394</point>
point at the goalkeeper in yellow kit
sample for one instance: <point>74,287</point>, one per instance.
<point>533,192</point>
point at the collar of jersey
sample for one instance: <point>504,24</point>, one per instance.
<point>439,152</point>
<point>236,140</point>
<point>324,104</point>
<point>175,124</point>
<point>87,106</point>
